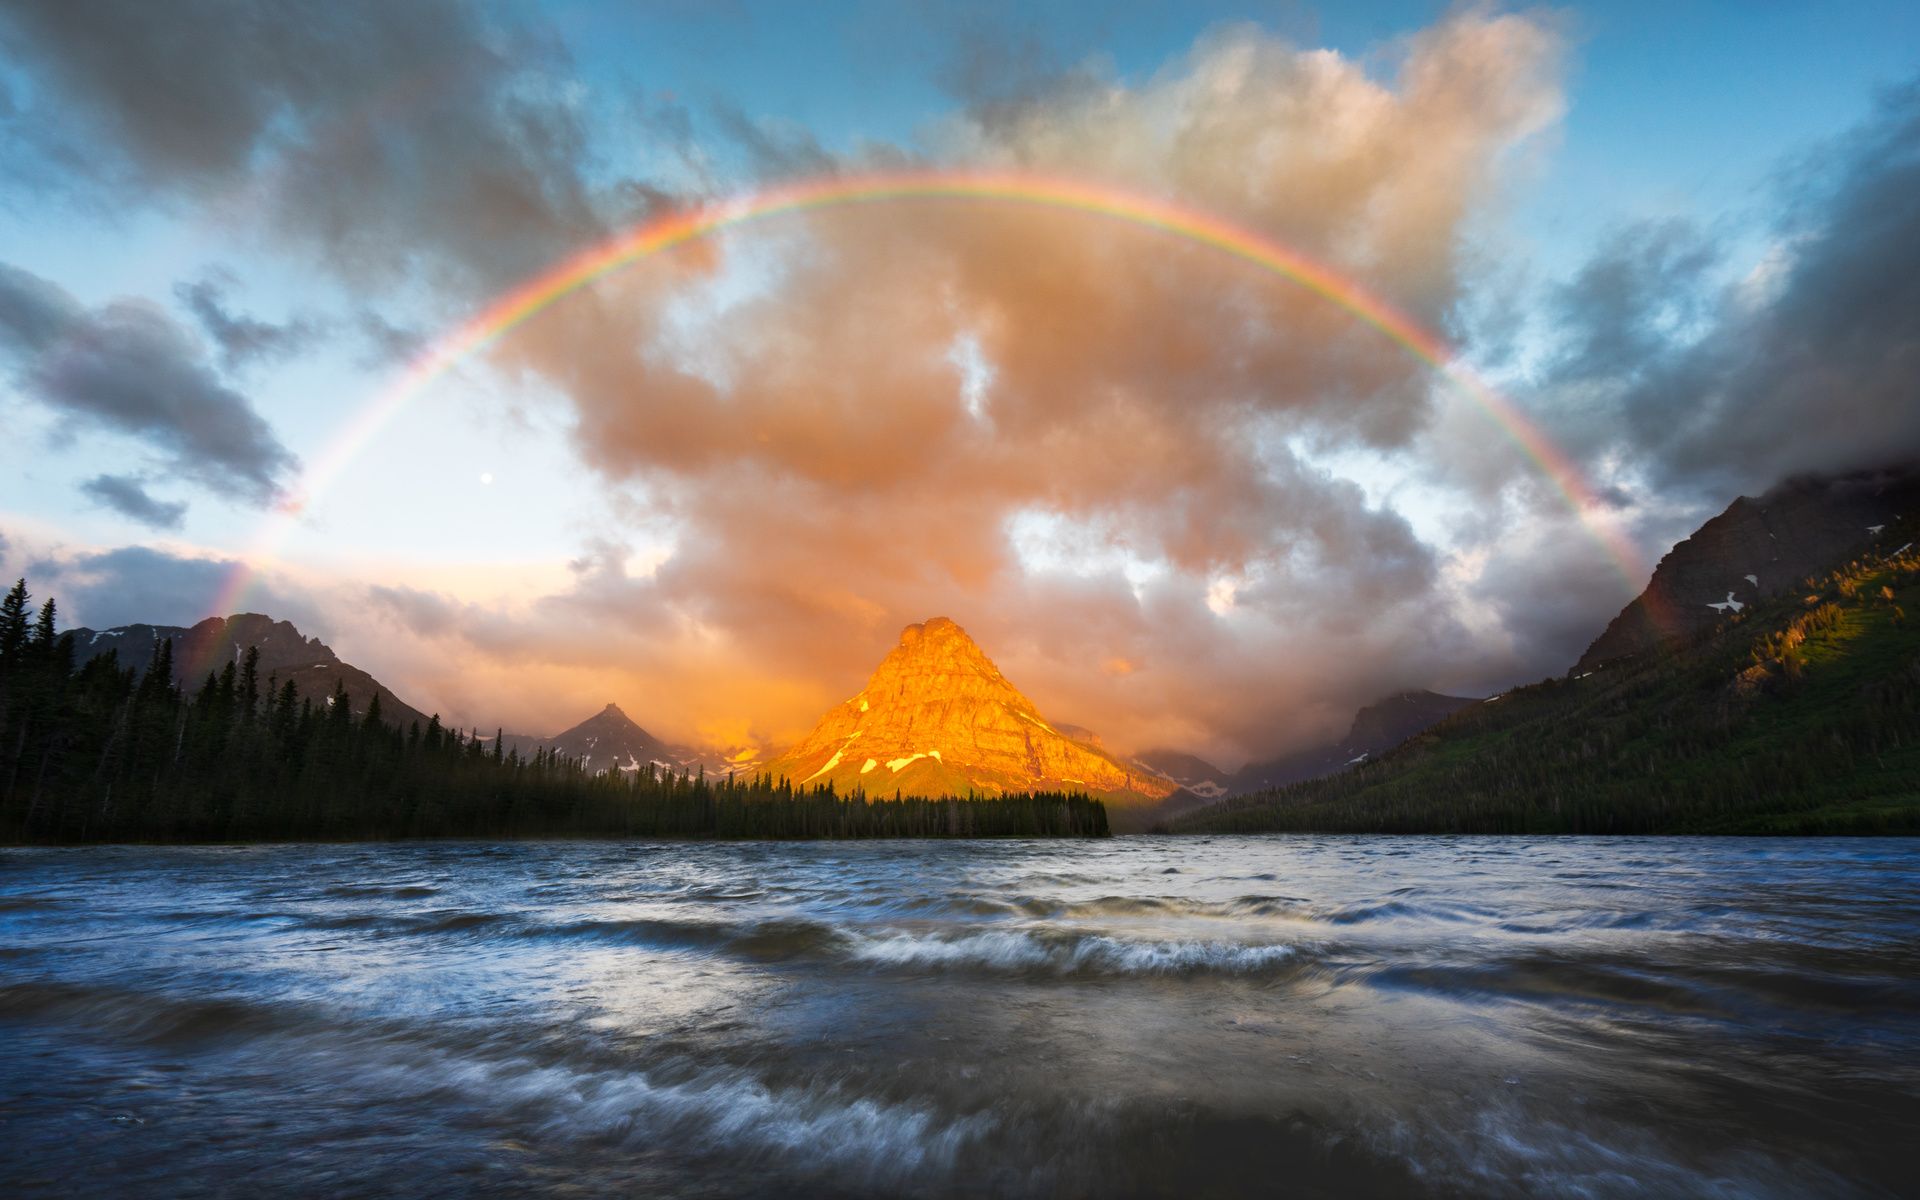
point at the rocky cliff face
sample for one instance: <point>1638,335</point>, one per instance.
<point>938,718</point>
<point>1754,550</point>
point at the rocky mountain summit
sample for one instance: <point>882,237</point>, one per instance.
<point>612,739</point>
<point>938,718</point>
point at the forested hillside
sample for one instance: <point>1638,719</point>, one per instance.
<point>107,752</point>
<point>1798,714</point>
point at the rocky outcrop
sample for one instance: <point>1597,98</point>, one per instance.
<point>938,718</point>
<point>1754,550</point>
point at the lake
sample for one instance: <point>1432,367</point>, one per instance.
<point>1226,1016</point>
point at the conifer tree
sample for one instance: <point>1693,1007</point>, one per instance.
<point>250,685</point>
<point>43,628</point>
<point>13,623</point>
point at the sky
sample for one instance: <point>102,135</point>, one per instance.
<point>1180,500</point>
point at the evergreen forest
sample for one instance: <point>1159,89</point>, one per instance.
<point>1800,714</point>
<point>104,752</point>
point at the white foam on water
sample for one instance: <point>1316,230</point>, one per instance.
<point>1021,950</point>
<point>1508,1152</point>
<point>719,1111</point>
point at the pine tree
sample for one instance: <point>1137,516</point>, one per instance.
<point>43,628</point>
<point>250,685</point>
<point>13,624</point>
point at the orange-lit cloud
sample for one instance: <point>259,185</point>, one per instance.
<point>1083,441</point>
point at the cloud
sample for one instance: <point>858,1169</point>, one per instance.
<point>393,139</point>
<point>386,342</point>
<point>1810,363</point>
<point>1127,470</point>
<point>131,368</point>
<point>243,340</point>
<point>35,313</point>
<point>1629,303</point>
<point>127,497</point>
<point>155,585</point>
<point>130,585</point>
<point>1087,442</point>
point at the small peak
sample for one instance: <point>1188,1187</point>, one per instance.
<point>612,708</point>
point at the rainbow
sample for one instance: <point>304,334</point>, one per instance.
<point>664,233</point>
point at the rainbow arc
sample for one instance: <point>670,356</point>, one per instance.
<point>536,295</point>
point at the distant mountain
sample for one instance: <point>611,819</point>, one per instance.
<point>1797,713</point>
<point>610,738</point>
<point>938,718</point>
<point>1754,550</point>
<point>1379,726</point>
<point>1195,774</point>
<point>284,655</point>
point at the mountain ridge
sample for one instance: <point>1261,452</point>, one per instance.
<point>286,655</point>
<point>1753,550</point>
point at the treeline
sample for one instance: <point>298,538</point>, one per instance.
<point>1801,715</point>
<point>103,752</point>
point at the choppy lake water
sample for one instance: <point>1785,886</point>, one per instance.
<point>1313,1016</point>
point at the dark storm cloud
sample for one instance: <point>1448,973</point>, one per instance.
<point>131,368</point>
<point>126,496</point>
<point>1810,364</point>
<point>390,136</point>
<point>242,339</point>
<point>1625,305</point>
<point>130,585</point>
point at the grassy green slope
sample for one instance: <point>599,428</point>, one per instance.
<point>1801,715</point>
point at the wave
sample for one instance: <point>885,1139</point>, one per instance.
<point>1030,951</point>
<point>1742,994</point>
<point>772,1127</point>
<point>583,1094</point>
<point>409,891</point>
